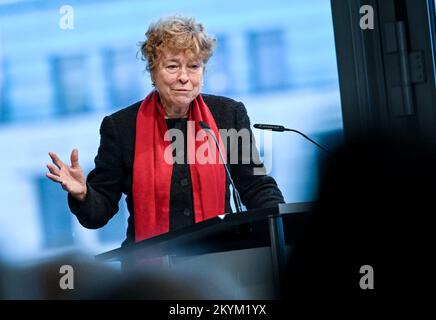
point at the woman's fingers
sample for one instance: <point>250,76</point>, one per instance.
<point>53,169</point>
<point>69,177</point>
<point>54,157</point>
<point>54,177</point>
<point>75,158</point>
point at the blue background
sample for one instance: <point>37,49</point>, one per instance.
<point>56,85</point>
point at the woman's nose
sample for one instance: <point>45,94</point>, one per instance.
<point>183,75</point>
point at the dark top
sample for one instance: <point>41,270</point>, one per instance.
<point>113,170</point>
<point>181,200</point>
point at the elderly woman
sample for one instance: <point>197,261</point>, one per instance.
<point>166,195</point>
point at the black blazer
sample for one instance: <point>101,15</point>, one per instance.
<point>113,170</point>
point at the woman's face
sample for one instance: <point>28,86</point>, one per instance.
<point>178,78</point>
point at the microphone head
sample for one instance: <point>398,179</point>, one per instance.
<point>204,125</point>
<point>272,127</point>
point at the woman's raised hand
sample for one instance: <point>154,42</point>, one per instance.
<point>71,177</point>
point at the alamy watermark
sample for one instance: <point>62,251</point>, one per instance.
<point>67,280</point>
<point>367,280</point>
<point>238,147</point>
<point>66,20</point>
<point>367,20</point>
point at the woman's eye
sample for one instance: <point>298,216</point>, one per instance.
<point>195,67</point>
<point>172,67</point>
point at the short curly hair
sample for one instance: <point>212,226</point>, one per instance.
<point>176,34</point>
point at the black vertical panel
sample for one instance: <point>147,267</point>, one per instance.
<point>370,73</point>
<point>432,21</point>
<point>359,66</point>
<point>419,21</point>
<point>391,14</point>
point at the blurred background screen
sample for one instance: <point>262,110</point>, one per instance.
<point>63,67</point>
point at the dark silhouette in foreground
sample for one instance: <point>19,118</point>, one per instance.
<point>376,197</point>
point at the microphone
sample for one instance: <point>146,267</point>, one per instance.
<point>236,197</point>
<point>274,127</point>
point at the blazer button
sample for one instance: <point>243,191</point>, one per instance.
<point>187,212</point>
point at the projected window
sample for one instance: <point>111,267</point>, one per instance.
<point>70,80</point>
<point>55,216</point>
<point>123,76</point>
<point>4,105</point>
<point>115,230</point>
<point>267,55</point>
<point>218,76</point>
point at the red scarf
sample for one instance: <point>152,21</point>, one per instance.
<point>152,174</point>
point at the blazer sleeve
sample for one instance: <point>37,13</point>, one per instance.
<point>256,188</point>
<point>104,182</point>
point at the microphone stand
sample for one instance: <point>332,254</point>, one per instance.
<point>279,128</point>
<point>236,197</point>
